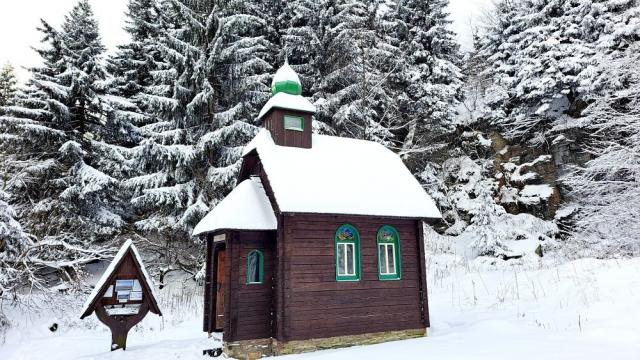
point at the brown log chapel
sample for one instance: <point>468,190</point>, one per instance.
<point>319,245</point>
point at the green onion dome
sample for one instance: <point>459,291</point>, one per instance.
<point>286,81</point>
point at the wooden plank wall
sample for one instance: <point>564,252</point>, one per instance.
<point>315,305</point>
<point>274,122</point>
<point>249,307</point>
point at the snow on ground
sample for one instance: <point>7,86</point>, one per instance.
<point>527,309</point>
<point>177,335</point>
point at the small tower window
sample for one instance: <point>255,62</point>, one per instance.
<point>293,123</point>
<point>347,253</point>
<point>255,267</point>
<point>388,242</point>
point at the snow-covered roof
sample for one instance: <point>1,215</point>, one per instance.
<point>341,176</point>
<point>247,207</point>
<point>97,289</point>
<point>283,100</point>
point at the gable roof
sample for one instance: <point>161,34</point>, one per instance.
<point>245,208</point>
<point>101,286</point>
<point>341,176</point>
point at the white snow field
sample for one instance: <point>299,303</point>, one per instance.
<point>527,309</point>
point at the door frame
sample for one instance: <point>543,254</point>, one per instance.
<point>211,292</point>
<point>215,289</point>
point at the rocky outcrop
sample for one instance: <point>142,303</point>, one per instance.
<point>527,178</point>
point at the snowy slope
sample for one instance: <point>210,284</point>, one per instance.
<point>585,309</point>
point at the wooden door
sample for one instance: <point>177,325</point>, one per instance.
<point>220,291</point>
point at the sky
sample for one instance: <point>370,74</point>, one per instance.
<point>20,18</point>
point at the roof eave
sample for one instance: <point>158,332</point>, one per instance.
<point>423,218</point>
<point>274,107</point>
<point>224,230</point>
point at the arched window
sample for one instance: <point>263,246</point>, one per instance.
<point>388,242</point>
<point>255,267</point>
<point>347,253</point>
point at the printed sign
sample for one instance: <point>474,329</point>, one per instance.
<point>128,290</point>
<point>130,309</point>
<point>124,285</point>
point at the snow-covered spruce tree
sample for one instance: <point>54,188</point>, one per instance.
<point>606,190</point>
<point>63,173</point>
<point>95,161</point>
<point>613,26</point>
<point>544,58</point>
<point>134,63</point>
<point>14,242</point>
<point>222,58</point>
<point>139,71</point>
<point>491,51</point>
<point>347,52</point>
<point>427,87</point>
<point>13,245</point>
<point>468,182</point>
<point>352,66</point>
<point>432,80</point>
<point>302,32</point>
<point>8,84</point>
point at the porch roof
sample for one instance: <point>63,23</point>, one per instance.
<point>247,207</point>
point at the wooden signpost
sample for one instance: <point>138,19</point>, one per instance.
<point>123,296</point>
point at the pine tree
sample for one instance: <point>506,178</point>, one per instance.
<point>65,175</point>
<point>13,245</point>
<point>544,59</point>
<point>612,26</point>
<point>431,81</point>
<point>345,76</point>
<point>302,31</point>
<point>342,54</point>
<point>8,84</point>
<point>14,242</point>
<point>605,190</point>
<point>138,67</point>
<point>493,51</point>
<point>220,57</point>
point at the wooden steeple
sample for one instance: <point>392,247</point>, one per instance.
<point>288,115</point>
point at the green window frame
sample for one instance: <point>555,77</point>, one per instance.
<point>347,253</point>
<point>295,123</point>
<point>255,267</point>
<point>388,250</point>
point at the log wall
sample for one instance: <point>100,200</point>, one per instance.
<point>315,305</point>
<point>248,307</point>
<point>274,122</point>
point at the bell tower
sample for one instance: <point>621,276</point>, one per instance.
<point>288,115</point>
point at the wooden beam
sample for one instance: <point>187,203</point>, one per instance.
<point>424,294</point>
